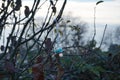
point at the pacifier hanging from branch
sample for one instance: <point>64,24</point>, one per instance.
<point>58,48</point>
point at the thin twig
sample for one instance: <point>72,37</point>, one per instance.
<point>103,36</point>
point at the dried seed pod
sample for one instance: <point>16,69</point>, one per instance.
<point>3,0</point>
<point>51,2</point>
<point>54,9</point>
<point>2,47</point>
<point>48,45</point>
<point>26,11</point>
<point>18,5</point>
<point>3,5</point>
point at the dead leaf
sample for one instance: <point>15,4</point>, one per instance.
<point>99,2</point>
<point>54,9</point>
<point>38,71</point>
<point>48,44</point>
<point>9,66</point>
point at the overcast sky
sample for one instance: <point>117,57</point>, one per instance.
<point>107,12</point>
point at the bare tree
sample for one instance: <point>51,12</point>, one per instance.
<point>13,56</point>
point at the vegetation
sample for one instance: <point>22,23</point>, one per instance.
<point>32,52</point>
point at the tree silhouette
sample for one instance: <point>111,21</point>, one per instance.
<point>17,46</point>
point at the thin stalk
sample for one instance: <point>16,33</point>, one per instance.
<point>103,36</point>
<point>94,23</point>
